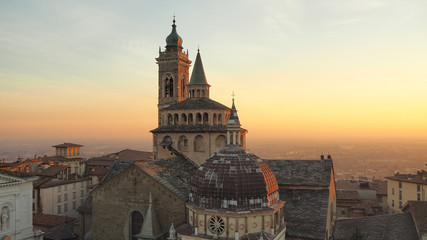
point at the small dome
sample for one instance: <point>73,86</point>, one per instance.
<point>173,39</point>
<point>233,179</point>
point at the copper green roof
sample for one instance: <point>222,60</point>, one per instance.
<point>173,39</point>
<point>198,76</point>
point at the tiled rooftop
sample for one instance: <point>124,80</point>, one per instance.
<point>49,220</point>
<point>419,213</point>
<point>241,179</point>
<point>419,178</point>
<point>301,172</point>
<point>305,212</point>
<point>197,103</point>
<point>173,173</point>
<point>65,145</point>
<point>385,227</point>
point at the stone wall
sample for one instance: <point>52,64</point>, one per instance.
<point>114,202</point>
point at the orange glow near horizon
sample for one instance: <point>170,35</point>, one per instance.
<point>330,69</point>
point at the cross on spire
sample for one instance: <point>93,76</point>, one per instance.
<point>173,18</point>
<point>232,95</point>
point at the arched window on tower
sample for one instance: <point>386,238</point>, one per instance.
<point>136,224</point>
<point>215,119</point>
<point>183,143</point>
<point>203,93</point>
<point>220,119</point>
<point>169,87</point>
<point>198,93</point>
<point>198,118</point>
<point>190,119</point>
<point>175,119</point>
<point>183,90</point>
<point>205,118</point>
<point>183,119</point>
<point>199,144</point>
<point>170,119</point>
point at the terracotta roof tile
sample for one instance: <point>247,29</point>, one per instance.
<point>49,220</point>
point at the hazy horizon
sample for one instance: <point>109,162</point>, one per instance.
<point>308,70</point>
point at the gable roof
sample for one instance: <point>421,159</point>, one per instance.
<point>173,173</point>
<point>302,172</point>
<point>49,220</point>
<point>52,171</point>
<point>384,227</point>
<point>131,155</point>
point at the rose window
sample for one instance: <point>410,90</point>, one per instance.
<point>216,225</point>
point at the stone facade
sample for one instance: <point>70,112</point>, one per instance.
<point>16,220</point>
<point>116,200</point>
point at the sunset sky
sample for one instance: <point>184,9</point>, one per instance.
<point>299,69</point>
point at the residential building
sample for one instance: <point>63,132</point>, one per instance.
<point>406,187</point>
<point>59,193</point>
<point>361,198</point>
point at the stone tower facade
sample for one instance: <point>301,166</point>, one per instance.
<point>191,125</point>
<point>173,71</point>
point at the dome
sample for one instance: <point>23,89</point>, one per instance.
<point>233,179</point>
<point>173,39</point>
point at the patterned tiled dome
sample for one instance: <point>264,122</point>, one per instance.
<point>233,179</point>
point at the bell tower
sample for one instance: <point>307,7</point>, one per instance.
<point>173,72</point>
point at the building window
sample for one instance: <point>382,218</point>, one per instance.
<point>74,195</point>
<point>418,188</point>
<point>59,188</point>
<point>418,197</point>
<point>59,198</point>
<point>34,206</point>
<point>65,207</point>
<point>74,205</point>
<point>59,209</point>
<point>82,193</point>
<point>400,204</point>
<point>392,203</point>
<point>137,221</point>
<point>74,185</point>
<point>400,184</point>
<point>76,169</point>
<point>65,187</point>
<point>65,197</point>
<point>392,191</point>
<point>400,194</point>
<point>34,194</point>
<point>82,184</point>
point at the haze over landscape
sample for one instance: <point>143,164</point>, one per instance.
<point>310,77</point>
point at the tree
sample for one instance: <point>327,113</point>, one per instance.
<point>357,235</point>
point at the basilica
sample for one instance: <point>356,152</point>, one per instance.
<point>202,183</point>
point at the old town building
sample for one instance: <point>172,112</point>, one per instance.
<point>202,183</point>
<point>16,220</point>
<point>189,122</point>
<point>406,187</point>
